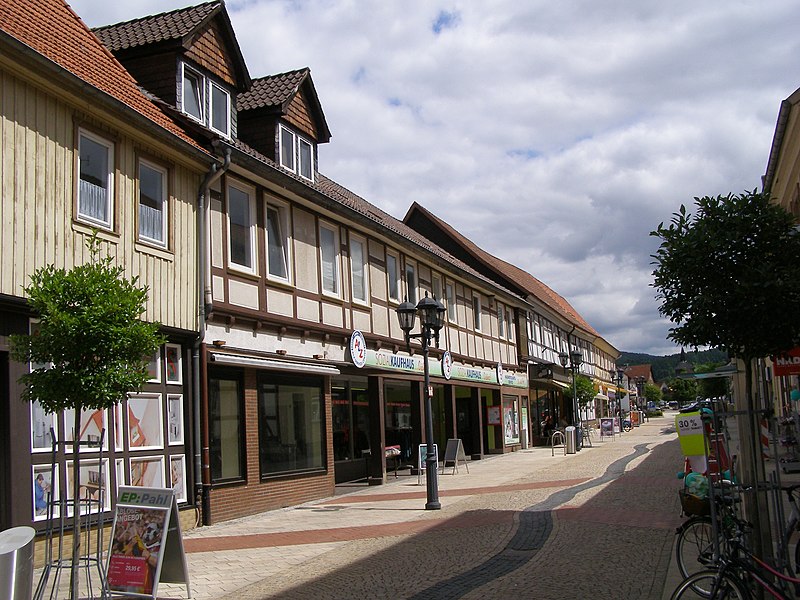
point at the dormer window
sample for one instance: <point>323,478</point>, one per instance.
<point>297,153</point>
<point>206,101</point>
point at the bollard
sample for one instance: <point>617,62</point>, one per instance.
<point>16,563</point>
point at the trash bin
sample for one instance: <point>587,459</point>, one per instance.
<point>571,440</point>
<point>16,563</point>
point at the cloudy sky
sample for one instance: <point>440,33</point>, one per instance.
<point>555,135</point>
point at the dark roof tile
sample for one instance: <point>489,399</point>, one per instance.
<point>273,90</point>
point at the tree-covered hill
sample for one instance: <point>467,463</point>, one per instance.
<point>664,366</point>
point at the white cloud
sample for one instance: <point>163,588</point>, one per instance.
<point>554,135</point>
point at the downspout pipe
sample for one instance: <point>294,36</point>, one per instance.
<point>202,476</point>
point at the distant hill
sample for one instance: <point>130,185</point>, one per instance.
<point>664,366</point>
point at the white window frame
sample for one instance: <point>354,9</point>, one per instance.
<point>450,291</point>
<point>509,323</point>
<point>393,278</point>
<point>356,240</point>
<point>282,210</point>
<point>164,203</point>
<point>477,312</point>
<point>108,223</point>
<point>211,86</point>
<point>336,260</point>
<point>251,195</point>
<point>297,163</point>
<point>412,287</point>
<point>201,87</point>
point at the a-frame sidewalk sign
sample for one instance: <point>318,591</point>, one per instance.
<point>146,543</point>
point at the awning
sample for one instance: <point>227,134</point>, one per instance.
<point>274,365</point>
<point>549,384</point>
<point>601,397</point>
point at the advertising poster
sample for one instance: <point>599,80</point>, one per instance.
<point>135,546</point>
<point>493,415</point>
<point>607,427</point>
<point>510,423</point>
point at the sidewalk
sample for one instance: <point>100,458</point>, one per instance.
<point>237,557</point>
<point>602,519</point>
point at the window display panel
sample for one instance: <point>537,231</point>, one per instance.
<point>145,430</point>
<point>350,410</point>
<point>148,471</point>
<point>93,482</point>
<point>291,430</point>
<point>45,491</point>
<point>42,426</point>
<point>92,429</point>
<point>177,470</point>
<point>175,419</point>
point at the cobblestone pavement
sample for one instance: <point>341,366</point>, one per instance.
<point>596,524</point>
<point>599,524</point>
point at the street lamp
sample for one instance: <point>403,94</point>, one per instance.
<point>431,316</point>
<point>574,360</point>
<point>616,376</point>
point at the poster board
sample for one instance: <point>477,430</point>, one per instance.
<point>422,454</point>
<point>607,427</point>
<point>146,543</point>
<point>453,453</point>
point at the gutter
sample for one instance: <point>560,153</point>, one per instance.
<point>202,467</point>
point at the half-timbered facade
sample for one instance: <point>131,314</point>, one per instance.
<point>83,151</point>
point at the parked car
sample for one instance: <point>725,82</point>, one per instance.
<point>673,405</point>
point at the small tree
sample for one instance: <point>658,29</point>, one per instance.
<point>93,344</point>
<point>682,391</point>
<point>652,393</point>
<point>585,391</point>
<point>729,277</point>
<point>715,387</point>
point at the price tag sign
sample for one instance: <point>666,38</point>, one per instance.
<point>690,433</point>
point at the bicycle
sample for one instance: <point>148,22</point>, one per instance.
<point>736,573</point>
<point>695,549</point>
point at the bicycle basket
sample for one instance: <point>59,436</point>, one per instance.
<point>694,506</point>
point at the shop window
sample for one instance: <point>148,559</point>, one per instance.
<point>291,428</point>
<point>397,396</point>
<point>227,430</point>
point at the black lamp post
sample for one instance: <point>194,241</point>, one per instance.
<point>573,361</point>
<point>431,314</point>
<point>617,378</point>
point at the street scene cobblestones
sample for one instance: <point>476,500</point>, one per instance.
<point>598,523</point>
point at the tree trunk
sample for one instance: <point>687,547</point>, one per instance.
<point>74,574</point>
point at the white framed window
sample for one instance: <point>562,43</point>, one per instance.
<point>329,259</point>
<point>241,226</point>
<point>193,93</point>
<point>153,203</point>
<point>509,323</point>
<point>436,288</point>
<point>220,109</point>
<point>95,180</point>
<point>393,275</point>
<point>296,153</point>
<point>451,302</point>
<point>476,312</point>
<point>411,282</point>
<point>359,268</point>
<point>278,242</point>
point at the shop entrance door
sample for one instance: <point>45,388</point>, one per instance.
<point>464,423</point>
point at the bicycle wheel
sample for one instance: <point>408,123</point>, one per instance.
<point>694,548</point>
<point>728,587</point>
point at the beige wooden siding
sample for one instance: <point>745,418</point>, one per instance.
<point>37,175</point>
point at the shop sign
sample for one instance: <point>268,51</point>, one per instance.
<point>358,349</point>
<point>788,364</point>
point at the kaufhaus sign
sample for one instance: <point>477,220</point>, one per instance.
<point>390,361</point>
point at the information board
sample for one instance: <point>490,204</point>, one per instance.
<point>146,543</point>
<point>422,455</point>
<point>453,453</point>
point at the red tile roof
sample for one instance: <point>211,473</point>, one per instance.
<point>523,279</point>
<point>53,30</point>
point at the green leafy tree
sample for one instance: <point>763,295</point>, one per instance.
<point>92,344</point>
<point>728,277</point>
<point>652,393</point>
<point>585,391</point>
<point>716,387</point>
<point>682,391</point>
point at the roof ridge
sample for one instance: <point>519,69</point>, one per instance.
<point>168,13</point>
